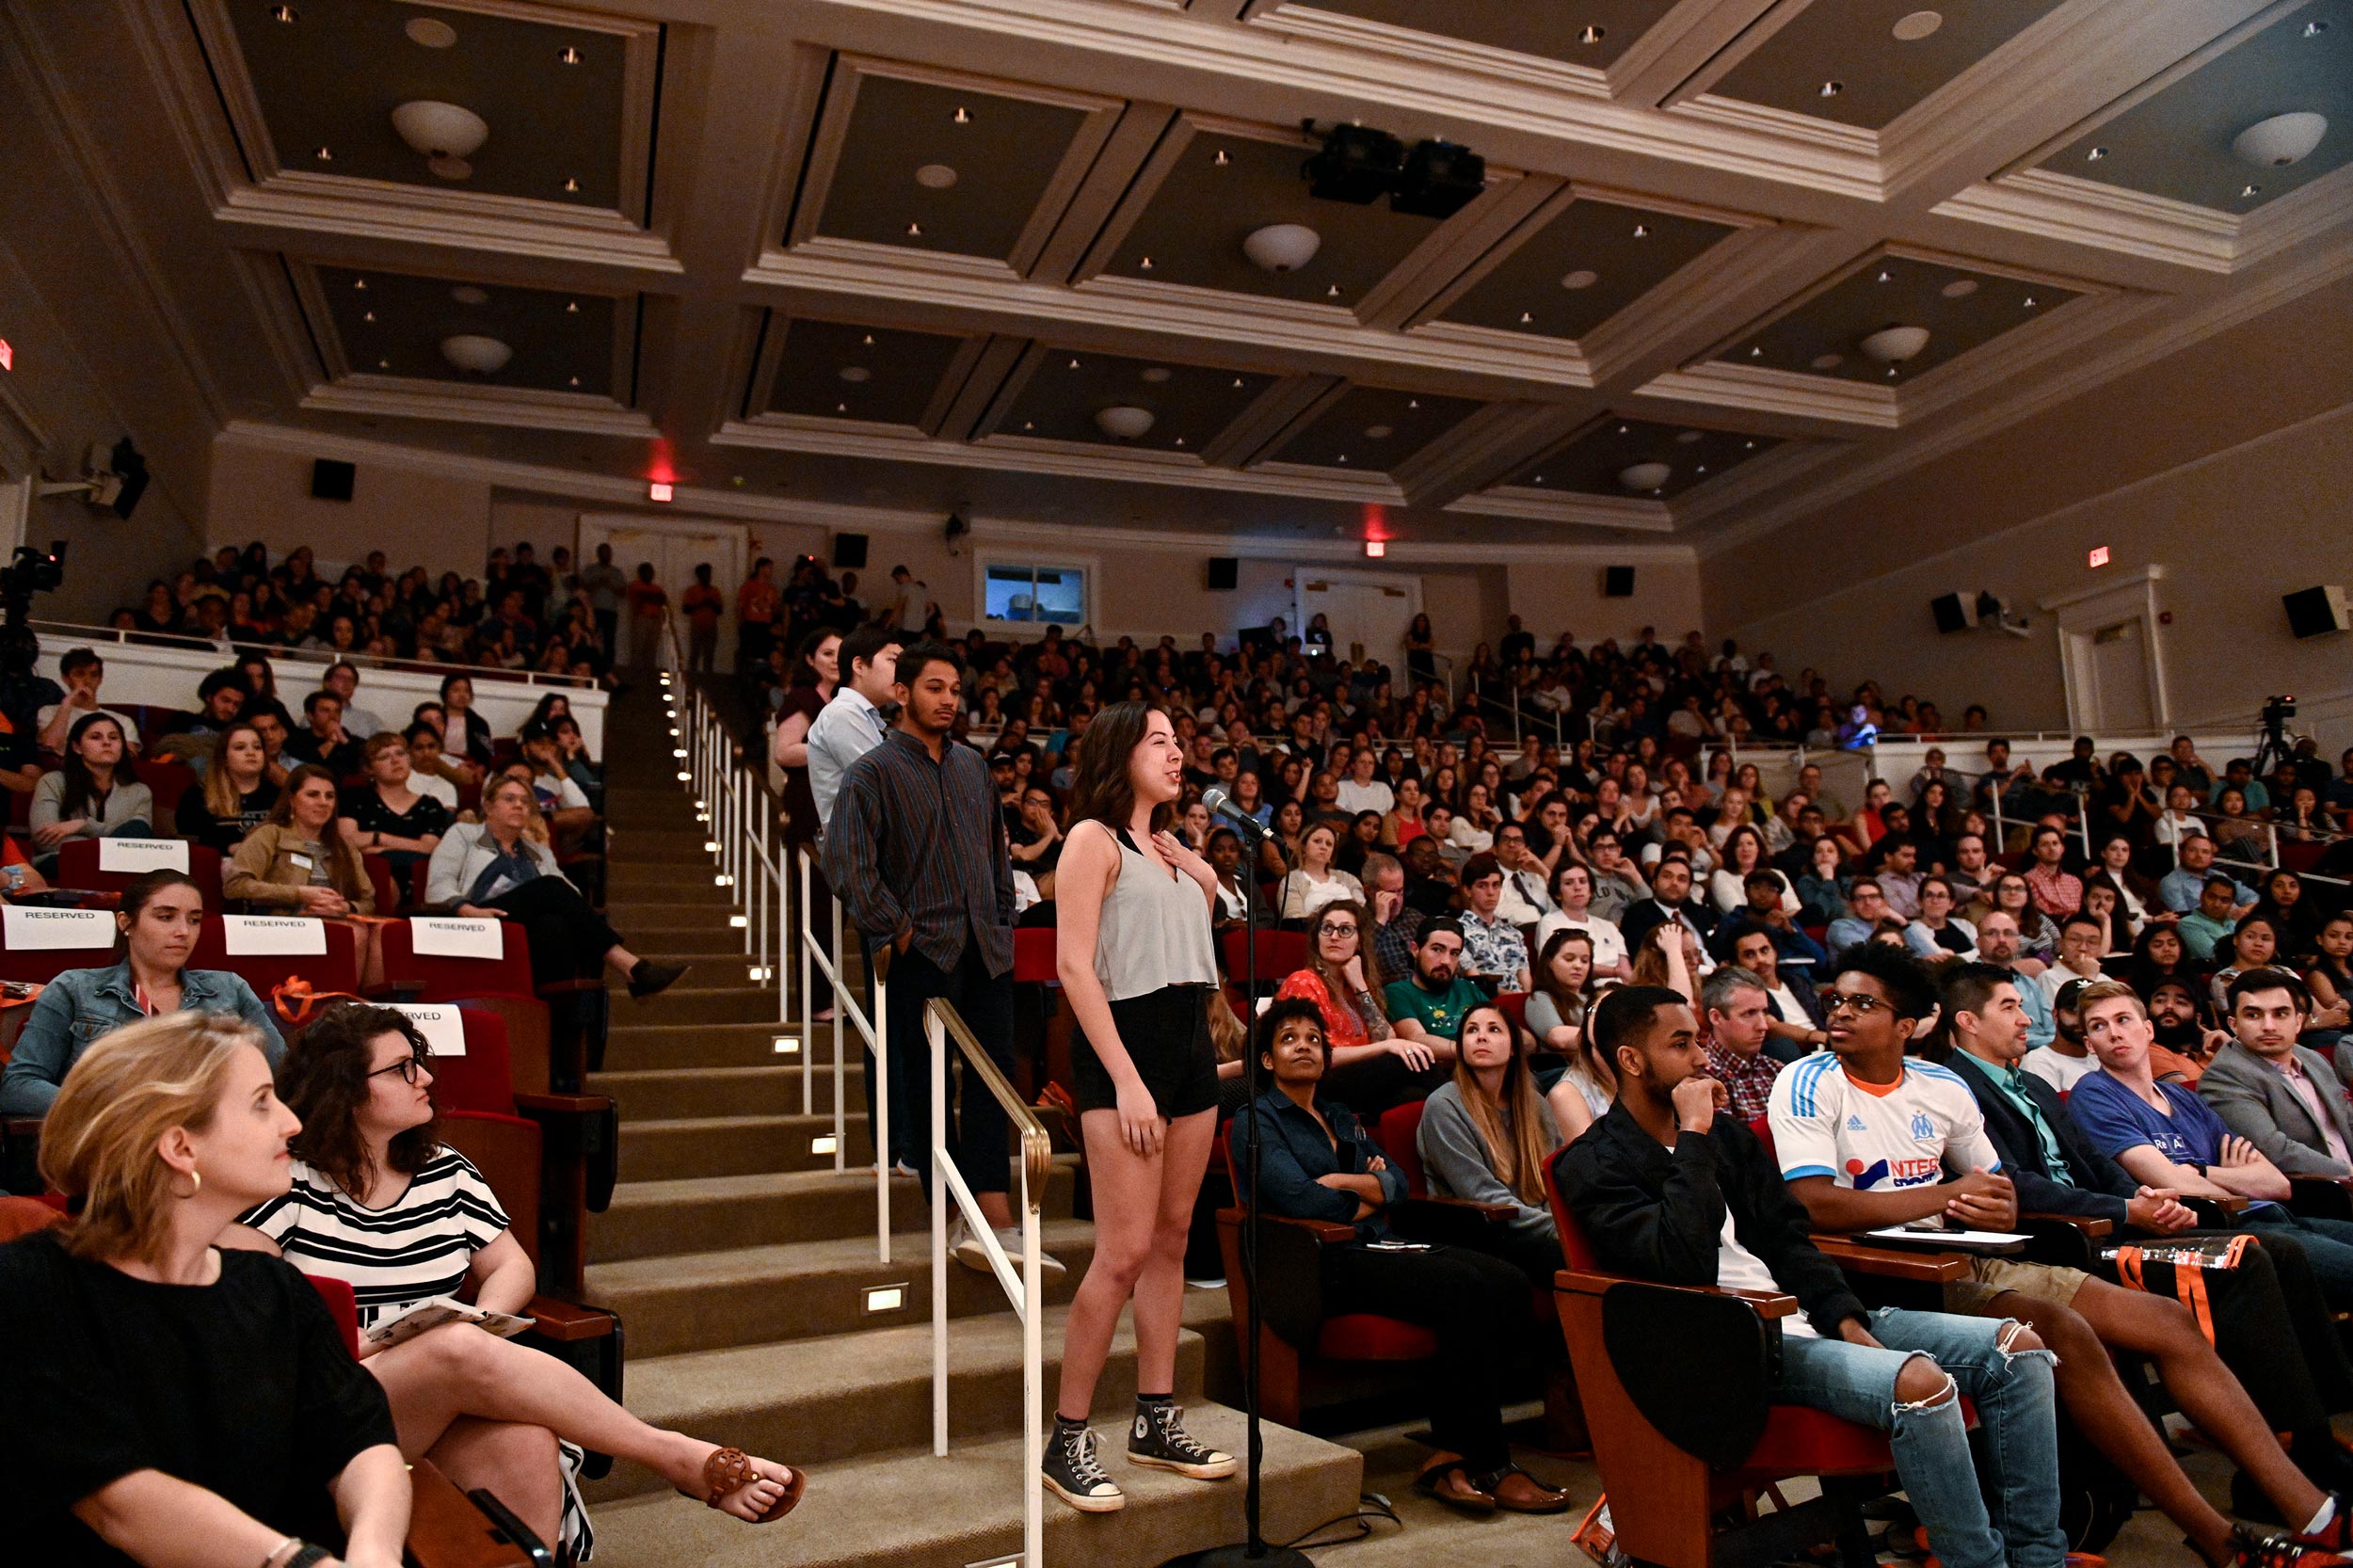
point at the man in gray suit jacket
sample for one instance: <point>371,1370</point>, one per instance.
<point>2282,1099</point>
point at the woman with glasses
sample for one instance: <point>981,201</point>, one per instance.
<point>379,1201</point>
<point>159,918</point>
<point>1373,1067</point>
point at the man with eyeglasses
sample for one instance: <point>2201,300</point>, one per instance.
<point>1522,899</point>
<point>1868,906</point>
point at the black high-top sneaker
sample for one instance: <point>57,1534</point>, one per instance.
<point>1073,1472</point>
<point>1156,1437</point>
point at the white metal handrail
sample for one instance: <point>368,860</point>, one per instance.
<point>1024,1290</point>
<point>876,1031</point>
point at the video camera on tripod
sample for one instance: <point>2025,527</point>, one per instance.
<point>2272,739</point>
<point>32,572</point>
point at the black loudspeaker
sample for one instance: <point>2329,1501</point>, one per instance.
<point>331,480</point>
<point>849,551</point>
<point>2317,611</point>
<point>1953,613</point>
<point>1617,582</point>
<point>1224,573</point>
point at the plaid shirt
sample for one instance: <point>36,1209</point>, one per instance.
<point>918,844</point>
<point>1393,944</point>
<point>1748,1079</point>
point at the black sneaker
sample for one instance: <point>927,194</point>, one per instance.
<point>1158,1439</point>
<point>1072,1471</point>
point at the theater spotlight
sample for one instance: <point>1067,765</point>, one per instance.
<point>1439,179</point>
<point>1357,164</point>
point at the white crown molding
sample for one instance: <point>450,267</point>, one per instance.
<point>1409,47</point>
<point>1724,385</point>
<point>390,397</point>
<point>297,211</point>
<point>2326,203</point>
<point>2075,210</point>
<point>1634,514</point>
<point>2152,571</point>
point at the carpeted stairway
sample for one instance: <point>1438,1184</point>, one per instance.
<point>739,1261</point>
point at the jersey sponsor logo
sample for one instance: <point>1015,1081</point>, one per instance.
<point>1894,1173</point>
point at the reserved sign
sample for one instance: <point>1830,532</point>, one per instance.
<point>457,936</point>
<point>253,936</point>
<point>29,926</point>
<point>443,1026</point>
<point>134,855</point>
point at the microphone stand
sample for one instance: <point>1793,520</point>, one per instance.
<point>1254,1550</point>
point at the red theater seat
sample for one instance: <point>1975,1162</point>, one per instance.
<point>77,867</point>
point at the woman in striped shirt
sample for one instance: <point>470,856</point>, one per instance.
<point>379,1201</point>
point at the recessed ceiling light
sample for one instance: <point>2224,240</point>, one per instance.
<point>284,13</point>
<point>962,116</point>
<point>1029,425</point>
<point>1378,432</point>
<point>1747,446</point>
<point>568,56</point>
<point>1331,292</point>
<point>1180,441</point>
<point>1593,34</point>
<point>1756,351</point>
<point>1413,402</point>
<point>868,341</point>
<point>1073,365</point>
<point>431,32</point>
<point>576,383</point>
<point>1918,25</point>
<point>571,307</point>
<point>855,374</point>
<point>1526,316</point>
<point>1157,374</point>
<point>842,407</point>
<point>934,176</point>
<point>1828,361</point>
<point>1237,381</point>
<point>360,283</point>
<point>325,155</point>
<point>1623,429</point>
<point>1831,89</point>
<point>1220,160</point>
<point>1538,480</point>
<point>2028,302</point>
<point>2095,155</point>
<point>1583,277</point>
<point>1144,264</point>
<point>1702,469</point>
<point>1894,370</point>
<point>2314,29</point>
<point>2250,190</point>
<point>1960,288</point>
<point>1641,230</point>
<point>367,315</point>
<point>1686,437</point>
<point>1343,457</point>
<point>571,186</point>
<point>383,365</point>
<point>1885,275</point>
<point>915,231</point>
<point>469,294</point>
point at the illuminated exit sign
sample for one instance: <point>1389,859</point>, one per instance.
<point>7,355</point>
<point>2099,556</point>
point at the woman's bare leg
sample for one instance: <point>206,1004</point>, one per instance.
<point>516,1463</point>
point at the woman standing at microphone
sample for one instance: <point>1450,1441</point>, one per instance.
<point>1137,963</point>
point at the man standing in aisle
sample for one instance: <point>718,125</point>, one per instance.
<point>852,724</point>
<point>917,845</point>
<point>604,585</point>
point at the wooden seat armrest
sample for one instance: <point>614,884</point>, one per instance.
<point>577,1104</point>
<point>1581,1282</point>
<point>1922,1267</point>
<point>1331,1232</point>
<point>567,1320</point>
<point>447,1530</point>
<point>2084,1224</point>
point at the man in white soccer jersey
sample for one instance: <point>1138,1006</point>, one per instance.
<point>1868,1137</point>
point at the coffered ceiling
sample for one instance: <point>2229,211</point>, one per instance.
<point>905,254</point>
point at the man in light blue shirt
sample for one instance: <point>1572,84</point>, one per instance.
<point>1998,945</point>
<point>2182,888</point>
<point>852,724</point>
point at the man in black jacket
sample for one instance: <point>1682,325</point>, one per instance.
<point>1668,1189</point>
<point>2271,1323</point>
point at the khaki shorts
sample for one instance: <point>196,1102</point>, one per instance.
<point>1990,1276</point>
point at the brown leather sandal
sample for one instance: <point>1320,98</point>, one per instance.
<point>729,1470</point>
<point>1449,1480</point>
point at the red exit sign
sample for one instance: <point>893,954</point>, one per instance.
<point>2099,556</point>
<point>7,355</point>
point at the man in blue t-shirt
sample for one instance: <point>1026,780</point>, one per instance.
<point>2165,1137</point>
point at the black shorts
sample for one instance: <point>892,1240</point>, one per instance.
<point>1167,1035</point>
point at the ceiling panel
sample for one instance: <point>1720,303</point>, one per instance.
<point>1577,32</point>
<point>2176,143</point>
<point>939,167</point>
<point>1590,462</point>
<point>1962,308</point>
<point>1189,404</point>
<point>837,370</point>
<point>1591,262</point>
<point>394,324</point>
<point>1880,56</point>
<point>1375,429</point>
<point>1222,188</point>
<point>329,74</point>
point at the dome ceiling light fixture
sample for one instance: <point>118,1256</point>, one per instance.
<point>1122,421</point>
<point>475,354</point>
<point>2281,140</point>
<point>1645,476</point>
<point>445,133</point>
<point>1893,345</point>
<point>1281,247</point>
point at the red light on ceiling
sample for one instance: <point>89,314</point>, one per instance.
<point>1375,549</point>
<point>7,355</point>
<point>2099,556</point>
<point>658,490</point>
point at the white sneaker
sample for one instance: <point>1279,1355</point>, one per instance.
<point>967,1249</point>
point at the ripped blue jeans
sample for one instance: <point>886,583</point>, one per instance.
<point>2013,1521</point>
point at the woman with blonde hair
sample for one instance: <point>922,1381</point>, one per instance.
<point>235,794</point>
<point>126,1327</point>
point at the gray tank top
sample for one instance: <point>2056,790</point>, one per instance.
<point>1155,929</point>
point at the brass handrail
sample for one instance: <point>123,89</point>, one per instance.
<point>1037,1147</point>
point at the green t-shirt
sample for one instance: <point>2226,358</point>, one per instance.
<point>1439,1012</point>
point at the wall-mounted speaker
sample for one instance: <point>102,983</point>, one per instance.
<point>331,480</point>
<point>1224,573</point>
<point>1954,612</point>
<point>1617,582</point>
<point>2317,611</point>
<point>849,551</point>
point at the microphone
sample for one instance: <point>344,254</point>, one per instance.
<point>1221,803</point>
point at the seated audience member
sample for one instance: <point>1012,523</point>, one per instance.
<point>94,795</point>
<point>1317,1162</point>
<point>1618,882</point>
<point>2330,974</point>
<point>1492,946</point>
<point>1793,1013</point>
<point>2177,1020</point>
<point>234,796</point>
<point>1998,945</point>
<point>389,815</point>
<point>1372,1067</point>
<point>1238,895</point>
<point>1938,931</point>
<point>1576,1083</point>
<point>83,672</point>
<point>1524,898</point>
<point>220,700</point>
<point>2083,941</point>
<point>1764,912</point>
<point>159,917</point>
<point>379,1202</point>
<point>1316,882</point>
<point>170,1402</point>
<point>2203,930</point>
<point>297,861</point>
<point>269,722</point>
<point>465,734</point>
<point>2057,891</point>
<point>1971,872</point>
<point>2182,890</point>
<point>1668,1188</point>
<point>2254,944</point>
<point>1744,858</point>
<point>1821,884</point>
<point>1485,1136</point>
<point>564,803</point>
<point>1733,1005</point>
<point>1845,1128</point>
<point>2065,1060</point>
<point>2038,933</point>
<point>1572,900</point>
<point>1866,906</point>
<point>2166,1136</point>
<point>2278,1096</point>
<point>342,679</point>
<point>1670,900</point>
<point>493,869</point>
<point>430,771</point>
<point>1428,1004</point>
<point>323,741</point>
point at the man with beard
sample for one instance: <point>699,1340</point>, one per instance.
<point>2184,1043</point>
<point>2067,1060</point>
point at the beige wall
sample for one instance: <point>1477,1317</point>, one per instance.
<point>1550,600</point>
<point>415,516</point>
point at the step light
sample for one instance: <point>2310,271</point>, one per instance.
<point>679,752</point>
<point>885,1297</point>
<point>737,922</point>
<point>711,846</point>
<point>723,880</point>
<point>685,777</point>
<point>761,972</point>
<point>787,1045</point>
<point>825,1143</point>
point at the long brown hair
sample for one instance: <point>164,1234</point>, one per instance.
<point>281,815</point>
<point>1100,790</point>
<point>324,1080</point>
<point>220,795</point>
<point>1516,1153</point>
